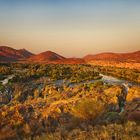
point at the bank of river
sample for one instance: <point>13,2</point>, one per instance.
<point>105,78</point>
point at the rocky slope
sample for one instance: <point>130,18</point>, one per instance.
<point>134,56</point>
<point>46,56</point>
<point>9,54</point>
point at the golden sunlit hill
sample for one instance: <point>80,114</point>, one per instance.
<point>134,56</point>
<point>9,54</point>
<point>52,57</point>
<point>46,56</point>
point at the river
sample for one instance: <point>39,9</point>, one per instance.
<point>105,79</point>
<point>6,80</point>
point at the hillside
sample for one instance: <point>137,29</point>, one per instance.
<point>54,58</point>
<point>68,102</point>
<point>10,54</point>
<point>25,53</point>
<point>46,57</point>
<point>134,56</point>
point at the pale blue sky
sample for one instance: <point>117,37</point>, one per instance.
<point>71,27</point>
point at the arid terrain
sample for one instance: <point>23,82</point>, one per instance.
<point>69,69</point>
<point>50,97</point>
<point>125,60</point>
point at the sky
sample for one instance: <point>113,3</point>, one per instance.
<point>72,28</point>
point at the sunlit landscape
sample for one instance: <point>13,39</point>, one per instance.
<point>69,70</point>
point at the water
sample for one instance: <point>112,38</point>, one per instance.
<point>105,78</point>
<point>111,80</point>
<point>5,81</point>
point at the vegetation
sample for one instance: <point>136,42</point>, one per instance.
<point>73,73</point>
<point>66,102</point>
<point>123,73</point>
<point>4,70</point>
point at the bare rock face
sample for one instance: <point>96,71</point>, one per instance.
<point>132,110</point>
<point>135,115</point>
<point>132,107</point>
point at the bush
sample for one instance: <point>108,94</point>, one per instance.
<point>5,70</point>
<point>88,109</point>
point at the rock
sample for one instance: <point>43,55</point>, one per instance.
<point>134,116</point>
<point>132,110</point>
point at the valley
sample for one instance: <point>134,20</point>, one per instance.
<point>48,96</point>
<point>69,69</point>
<point>68,101</point>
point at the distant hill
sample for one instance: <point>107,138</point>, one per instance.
<point>10,54</point>
<point>134,56</point>
<point>47,56</point>
<point>54,58</point>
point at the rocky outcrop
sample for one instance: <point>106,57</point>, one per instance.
<point>132,110</point>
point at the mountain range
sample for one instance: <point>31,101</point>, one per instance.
<point>109,56</point>
<point>9,54</point>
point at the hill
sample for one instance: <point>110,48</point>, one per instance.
<point>134,56</point>
<point>10,54</point>
<point>54,58</point>
<point>47,56</point>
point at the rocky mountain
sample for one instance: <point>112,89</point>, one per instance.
<point>134,56</point>
<point>52,57</point>
<point>10,54</point>
<point>46,57</point>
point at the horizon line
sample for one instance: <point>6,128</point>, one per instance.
<point>102,52</point>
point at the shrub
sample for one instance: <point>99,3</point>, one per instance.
<point>88,109</point>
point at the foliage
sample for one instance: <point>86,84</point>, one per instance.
<point>89,109</point>
<point>123,73</point>
<point>65,102</point>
